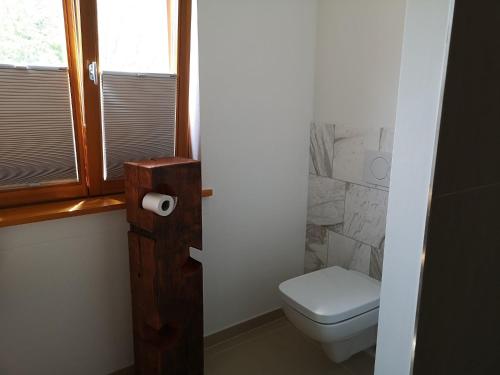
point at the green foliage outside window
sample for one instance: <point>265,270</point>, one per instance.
<point>32,33</point>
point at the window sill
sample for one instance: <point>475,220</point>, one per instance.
<point>63,209</point>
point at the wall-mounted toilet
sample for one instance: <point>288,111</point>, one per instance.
<point>337,307</point>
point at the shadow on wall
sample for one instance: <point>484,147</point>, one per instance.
<point>346,215</point>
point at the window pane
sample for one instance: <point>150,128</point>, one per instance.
<point>134,36</point>
<point>138,118</point>
<point>36,131</point>
<point>32,33</point>
<point>137,57</point>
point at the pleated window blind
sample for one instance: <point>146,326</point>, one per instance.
<point>138,118</point>
<point>36,127</point>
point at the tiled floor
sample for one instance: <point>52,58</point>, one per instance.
<point>278,348</point>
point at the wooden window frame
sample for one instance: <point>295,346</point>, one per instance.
<point>183,135</point>
<point>90,52</point>
<point>53,192</point>
<point>80,18</point>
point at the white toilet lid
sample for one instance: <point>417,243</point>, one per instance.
<point>331,295</point>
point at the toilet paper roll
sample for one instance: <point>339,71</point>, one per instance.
<point>160,204</point>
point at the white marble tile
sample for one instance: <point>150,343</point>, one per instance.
<point>326,201</point>
<point>349,152</point>
<point>386,139</point>
<point>315,257</point>
<point>361,259</point>
<point>321,150</point>
<point>376,262</point>
<point>365,214</point>
<point>337,228</point>
<point>316,248</point>
<point>340,250</point>
<point>348,253</point>
<point>316,234</point>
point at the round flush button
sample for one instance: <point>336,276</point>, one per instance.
<point>379,168</point>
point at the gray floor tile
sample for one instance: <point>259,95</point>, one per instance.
<point>278,349</point>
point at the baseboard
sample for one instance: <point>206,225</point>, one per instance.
<point>226,334</point>
<point>242,327</point>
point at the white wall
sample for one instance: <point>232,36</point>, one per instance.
<point>358,60</point>
<point>65,297</point>
<point>423,68</point>
<point>256,81</point>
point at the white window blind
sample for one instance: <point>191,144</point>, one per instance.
<point>139,114</point>
<point>36,127</point>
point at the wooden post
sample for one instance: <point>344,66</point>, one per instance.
<point>167,284</point>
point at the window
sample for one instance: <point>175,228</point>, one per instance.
<point>85,86</point>
<point>138,83</point>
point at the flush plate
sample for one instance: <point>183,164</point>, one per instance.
<point>377,168</point>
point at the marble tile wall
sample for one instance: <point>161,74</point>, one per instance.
<point>346,215</point>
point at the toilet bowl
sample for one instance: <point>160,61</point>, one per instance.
<point>336,307</point>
